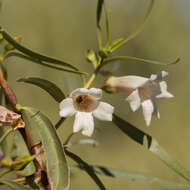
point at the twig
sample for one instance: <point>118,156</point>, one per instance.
<point>8,91</point>
<point>24,132</point>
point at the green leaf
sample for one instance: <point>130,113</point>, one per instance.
<point>87,168</point>
<point>56,162</point>
<point>115,43</point>
<point>126,58</point>
<point>34,60</point>
<point>98,18</point>
<point>21,145</point>
<point>59,123</point>
<point>32,130</point>
<point>139,27</point>
<point>14,186</point>
<point>7,144</point>
<point>32,53</point>
<point>99,12</point>
<point>137,177</point>
<point>4,136</point>
<point>152,145</point>
<point>8,47</point>
<point>107,27</point>
<point>21,150</point>
<point>48,86</point>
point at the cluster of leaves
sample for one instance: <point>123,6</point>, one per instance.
<point>44,164</point>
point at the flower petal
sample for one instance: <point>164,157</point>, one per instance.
<point>66,107</point>
<point>84,121</point>
<point>96,92</point>
<point>79,91</point>
<point>159,76</point>
<point>148,109</point>
<point>134,100</point>
<point>125,83</point>
<point>164,92</point>
<point>156,112</point>
<point>104,111</point>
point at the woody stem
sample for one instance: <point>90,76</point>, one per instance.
<point>24,131</point>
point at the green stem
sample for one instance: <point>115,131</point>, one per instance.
<point>94,74</point>
<point>91,79</point>
<point>5,135</point>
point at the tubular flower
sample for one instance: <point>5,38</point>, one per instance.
<point>142,92</point>
<point>85,104</point>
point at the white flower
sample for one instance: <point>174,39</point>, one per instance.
<point>85,104</point>
<point>142,92</point>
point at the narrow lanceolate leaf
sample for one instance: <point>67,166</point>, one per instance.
<point>99,12</point>
<point>13,185</point>
<point>87,168</point>
<point>98,18</point>
<point>129,58</point>
<point>152,145</point>
<point>139,27</point>
<point>46,85</point>
<point>46,64</point>
<point>107,27</point>
<point>31,53</point>
<point>56,162</point>
<point>115,43</point>
<point>137,177</point>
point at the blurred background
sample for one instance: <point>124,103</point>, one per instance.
<point>65,30</point>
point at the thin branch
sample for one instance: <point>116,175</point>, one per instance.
<point>8,91</point>
<point>24,131</point>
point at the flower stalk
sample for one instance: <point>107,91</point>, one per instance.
<point>91,79</point>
